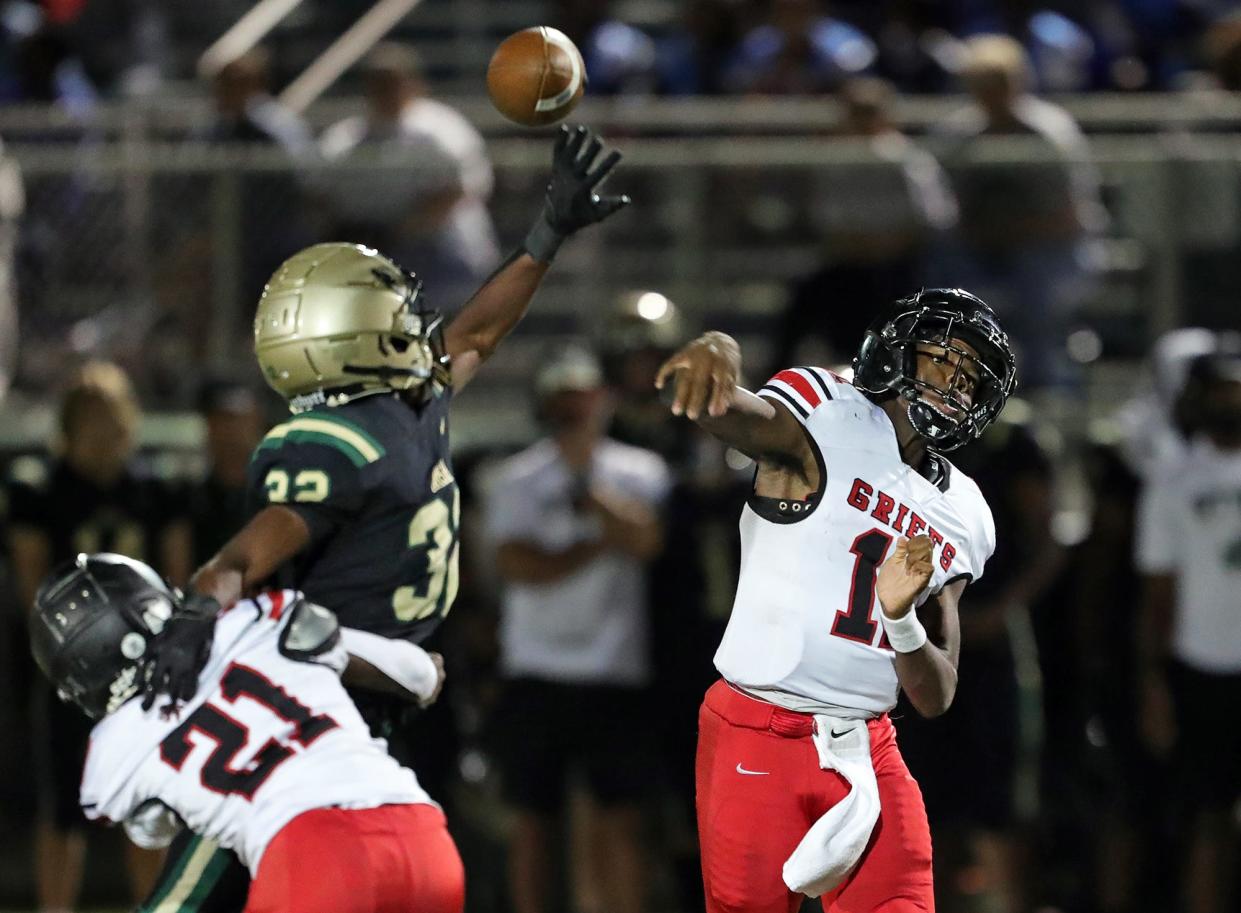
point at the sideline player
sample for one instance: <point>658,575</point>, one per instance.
<point>801,787</point>
<point>269,758</point>
<point>356,502</point>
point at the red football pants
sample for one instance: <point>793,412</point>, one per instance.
<point>760,788</point>
<point>391,859</point>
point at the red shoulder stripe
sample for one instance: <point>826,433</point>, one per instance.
<point>801,385</point>
<point>277,603</point>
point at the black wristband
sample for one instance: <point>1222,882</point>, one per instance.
<point>542,241</point>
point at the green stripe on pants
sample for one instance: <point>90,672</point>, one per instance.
<point>193,877</point>
<point>210,877</point>
<point>166,884</point>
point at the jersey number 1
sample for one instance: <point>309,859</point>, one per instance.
<point>219,773</point>
<point>869,550</point>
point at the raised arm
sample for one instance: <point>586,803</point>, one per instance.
<point>704,377</point>
<point>571,203</point>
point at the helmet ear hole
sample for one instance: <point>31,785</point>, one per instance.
<point>876,367</point>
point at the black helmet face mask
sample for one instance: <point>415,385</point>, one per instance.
<point>943,352</point>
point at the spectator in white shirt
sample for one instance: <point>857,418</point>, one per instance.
<point>1189,550</point>
<point>414,179</point>
<point>575,520</point>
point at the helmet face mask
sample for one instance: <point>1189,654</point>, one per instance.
<point>94,619</point>
<point>339,321</point>
<point>943,326</point>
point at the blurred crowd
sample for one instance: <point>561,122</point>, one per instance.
<point>411,176</point>
<point>77,51</point>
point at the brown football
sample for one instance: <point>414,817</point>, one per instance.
<point>536,76</point>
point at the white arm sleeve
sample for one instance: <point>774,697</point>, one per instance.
<point>408,665</point>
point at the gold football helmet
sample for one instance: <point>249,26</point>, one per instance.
<point>338,321</point>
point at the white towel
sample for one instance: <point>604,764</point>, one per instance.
<point>834,843</point>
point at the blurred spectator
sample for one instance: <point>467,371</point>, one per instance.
<point>799,51</point>
<point>1130,837</point>
<point>875,220</point>
<point>415,180</point>
<point>620,58</point>
<point>123,43</point>
<point>970,792</point>
<point>1189,549</point>
<point>1024,229</point>
<point>46,69</point>
<point>273,223</point>
<point>692,58</point>
<point>913,41</point>
<point>1151,433</point>
<point>575,519</point>
<point>1223,49</point>
<point>217,503</point>
<point>91,497</point>
<point>246,112</point>
<point>1131,843</point>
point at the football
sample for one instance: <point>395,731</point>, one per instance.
<point>536,76</point>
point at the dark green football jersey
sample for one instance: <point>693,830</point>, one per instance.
<point>373,481</point>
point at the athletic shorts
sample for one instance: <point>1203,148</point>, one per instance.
<point>760,788</point>
<point>1208,749</point>
<point>391,859</point>
<point>546,730</point>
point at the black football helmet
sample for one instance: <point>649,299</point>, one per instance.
<point>886,364</point>
<point>93,622</point>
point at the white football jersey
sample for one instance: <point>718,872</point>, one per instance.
<point>265,739</point>
<point>1189,526</point>
<point>804,630</point>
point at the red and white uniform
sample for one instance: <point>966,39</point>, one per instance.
<point>270,750</point>
<point>805,640</point>
<point>804,627</point>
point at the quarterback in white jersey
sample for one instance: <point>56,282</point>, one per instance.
<point>269,758</point>
<point>857,542</point>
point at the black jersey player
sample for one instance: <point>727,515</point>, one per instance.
<point>356,504</point>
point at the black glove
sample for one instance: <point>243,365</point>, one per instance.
<point>180,651</point>
<point>571,202</point>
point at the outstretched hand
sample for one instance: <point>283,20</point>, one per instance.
<point>904,576</point>
<point>572,201</point>
<point>704,374</point>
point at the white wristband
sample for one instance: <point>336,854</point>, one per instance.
<point>905,634</point>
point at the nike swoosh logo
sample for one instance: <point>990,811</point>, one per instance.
<point>836,735</point>
<point>753,773</point>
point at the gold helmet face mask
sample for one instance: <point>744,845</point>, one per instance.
<point>340,321</point>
